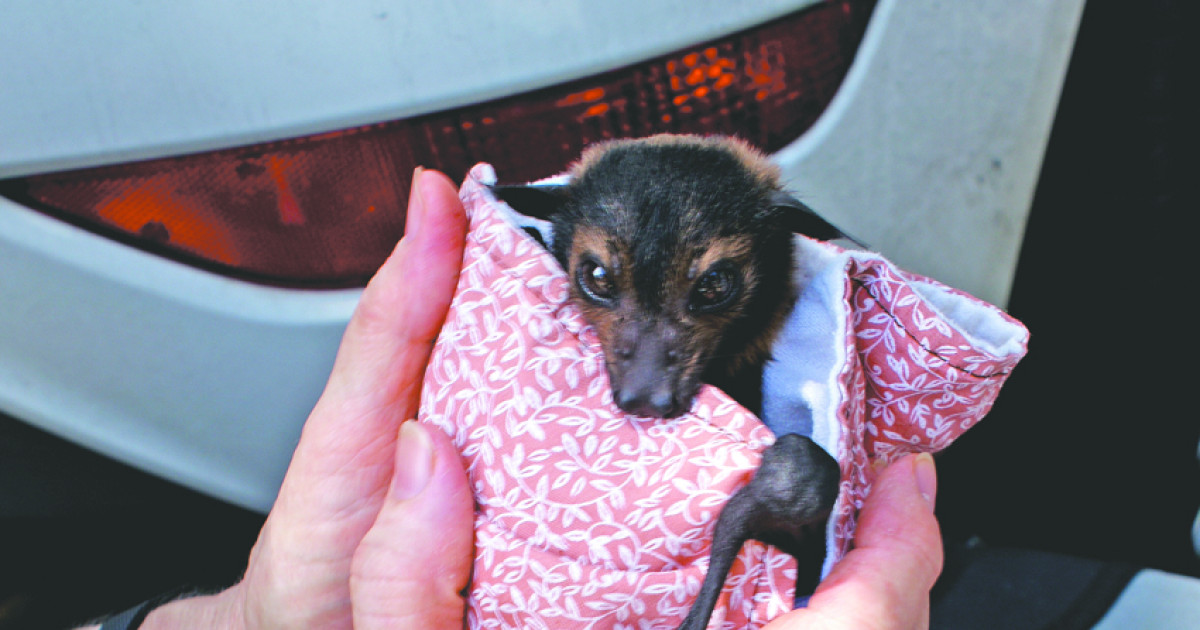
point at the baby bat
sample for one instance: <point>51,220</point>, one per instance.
<point>679,253</point>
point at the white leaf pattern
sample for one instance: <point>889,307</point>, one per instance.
<point>588,518</point>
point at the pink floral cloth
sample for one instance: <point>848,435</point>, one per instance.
<point>589,518</point>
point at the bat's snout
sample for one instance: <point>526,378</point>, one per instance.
<point>648,402</point>
<point>645,371</point>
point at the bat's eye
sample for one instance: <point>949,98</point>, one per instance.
<point>595,281</point>
<point>716,289</point>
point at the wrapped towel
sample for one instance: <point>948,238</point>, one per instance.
<point>589,518</point>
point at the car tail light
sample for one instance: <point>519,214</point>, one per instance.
<point>325,210</point>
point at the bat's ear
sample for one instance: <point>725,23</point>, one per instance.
<point>801,219</point>
<point>537,201</point>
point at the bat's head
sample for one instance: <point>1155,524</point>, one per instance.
<point>679,254</point>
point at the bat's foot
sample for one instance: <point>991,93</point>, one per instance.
<point>796,484</point>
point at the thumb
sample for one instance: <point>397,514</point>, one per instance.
<point>884,582</point>
<point>413,565</point>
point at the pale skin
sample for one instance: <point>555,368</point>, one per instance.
<point>373,524</point>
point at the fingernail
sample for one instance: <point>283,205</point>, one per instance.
<point>414,461</point>
<point>415,213</point>
<point>926,474</point>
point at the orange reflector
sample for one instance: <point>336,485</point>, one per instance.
<point>321,211</point>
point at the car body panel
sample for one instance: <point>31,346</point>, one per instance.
<point>929,152</point>
<point>122,80</point>
<point>191,376</point>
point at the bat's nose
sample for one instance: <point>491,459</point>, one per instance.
<point>644,374</point>
<point>647,401</point>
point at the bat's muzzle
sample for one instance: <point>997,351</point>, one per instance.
<point>645,373</point>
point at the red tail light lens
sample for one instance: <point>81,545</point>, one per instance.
<point>325,210</point>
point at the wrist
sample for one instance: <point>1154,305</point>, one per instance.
<point>223,610</point>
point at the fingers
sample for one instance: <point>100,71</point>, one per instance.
<point>414,563</point>
<point>376,379</point>
<point>343,464</point>
<point>388,341</point>
<point>898,548</point>
<point>884,582</point>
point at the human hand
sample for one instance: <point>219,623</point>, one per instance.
<point>884,582</point>
<point>373,523</point>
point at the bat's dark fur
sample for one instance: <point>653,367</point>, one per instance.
<point>679,251</point>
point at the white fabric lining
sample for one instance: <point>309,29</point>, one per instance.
<point>978,322</point>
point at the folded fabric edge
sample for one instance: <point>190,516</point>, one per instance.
<point>989,334</point>
<point>802,384</point>
<point>986,326</point>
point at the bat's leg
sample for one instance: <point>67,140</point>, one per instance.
<point>795,485</point>
<point>731,531</point>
